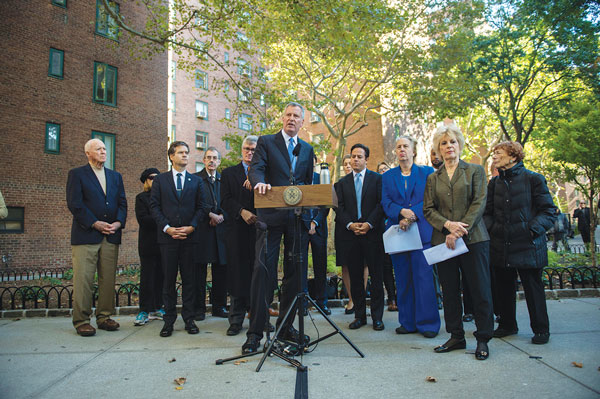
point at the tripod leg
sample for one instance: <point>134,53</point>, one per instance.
<point>335,327</point>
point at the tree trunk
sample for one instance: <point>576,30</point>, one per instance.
<point>593,223</point>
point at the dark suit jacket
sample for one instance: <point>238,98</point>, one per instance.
<point>213,239</point>
<point>147,245</point>
<point>371,210</point>
<point>394,197</point>
<point>88,204</point>
<point>168,209</point>
<point>241,237</point>
<point>271,164</point>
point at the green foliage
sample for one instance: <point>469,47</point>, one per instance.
<point>51,281</point>
<point>129,271</point>
<point>68,275</point>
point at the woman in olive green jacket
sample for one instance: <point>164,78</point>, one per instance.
<point>455,197</point>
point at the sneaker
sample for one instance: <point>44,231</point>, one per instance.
<point>141,319</point>
<point>158,315</point>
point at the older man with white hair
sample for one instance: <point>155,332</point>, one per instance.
<point>96,198</point>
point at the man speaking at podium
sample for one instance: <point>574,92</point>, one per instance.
<point>280,159</point>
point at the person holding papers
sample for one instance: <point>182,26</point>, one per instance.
<point>454,201</point>
<point>402,201</point>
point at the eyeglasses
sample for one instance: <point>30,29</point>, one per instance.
<point>249,149</point>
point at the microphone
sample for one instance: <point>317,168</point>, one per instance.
<point>295,153</point>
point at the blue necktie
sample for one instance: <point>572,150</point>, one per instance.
<point>290,152</point>
<point>358,188</point>
<point>179,188</point>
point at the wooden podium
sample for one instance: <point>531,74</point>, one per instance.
<point>314,195</point>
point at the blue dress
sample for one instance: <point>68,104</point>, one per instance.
<point>416,298</point>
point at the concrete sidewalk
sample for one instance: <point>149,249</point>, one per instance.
<point>44,358</point>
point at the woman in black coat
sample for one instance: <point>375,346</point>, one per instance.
<point>519,211</point>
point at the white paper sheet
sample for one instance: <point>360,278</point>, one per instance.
<point>441,252</point>
<point>396,240</point>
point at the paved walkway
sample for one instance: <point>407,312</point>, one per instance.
<point>44,358</point>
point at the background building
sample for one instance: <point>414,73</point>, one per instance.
<point>67,76</point>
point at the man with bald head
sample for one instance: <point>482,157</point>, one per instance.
<point>96,198</point>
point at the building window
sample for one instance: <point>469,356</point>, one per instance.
<point>226,89</point>
<point>14,222</point>
<point>105,24</point>
<point>262,100</point>
<point>245,122</point>
<point>226,57</point>
<point>244,94</point>
<point>173,103</point>
<point>227,144</point>
<point>263,125</point>
<point>199,166</point>
<point>227,114</point>
<point>318,138</point>
<point>201,140</point>
<point>242,38</point>
<point>173,134</point>
<point>201,110</point>
<point>52,145</point>
<point>174,70</point>
<point>262,74</point>
<point>244,68</point>
<point>314,117</point>
<point>201,80</point>
<point>105,84</point>
<point>109,142</point>
<point>201,49</point>
<point>56,63</point>
<point>60,3</point>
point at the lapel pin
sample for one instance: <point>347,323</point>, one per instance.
<point>189,179</point>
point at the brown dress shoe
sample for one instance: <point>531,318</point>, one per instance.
<point>86,330</point>
<point>109,325</point>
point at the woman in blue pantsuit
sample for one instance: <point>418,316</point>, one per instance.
<point>402,200</point>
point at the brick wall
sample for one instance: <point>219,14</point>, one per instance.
<point>35,180</point>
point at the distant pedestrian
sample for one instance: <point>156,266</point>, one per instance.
<point>561,229</point>
<point>582,214</point>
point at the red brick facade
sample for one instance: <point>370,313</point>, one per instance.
<point>29,98</point>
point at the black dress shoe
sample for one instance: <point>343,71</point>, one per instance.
<point>378,325</point>
<point>467,317</point>
<point>450,345</point>
<point>167,330</point>
<point>191,327</point>
<point>502,332</point>
<point>291,334</point>
<point>540,338</point>
<point>251,344</point>
<point>403,330</point>
<point>482,352</point>
<point>429,334</point>
<point>234,329</point>
<point>357,323</point>
<point>269,327</point>
<point>200,316</point>
<point>220,311</point>
<point>349,311</point>
<point>325,309</point>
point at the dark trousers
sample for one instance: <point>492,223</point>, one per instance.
<point>218,292</point>
<point>506,288</point>
<point>264,275</point>
<point>560,237</point>
<point>178,257</point>
<point>318,245</point>
<point>237,310</point>
<point>466,296</point>
<point>151,283</point>
<point>474,265</point>
<point>361,251</point>
<point>388,278</point>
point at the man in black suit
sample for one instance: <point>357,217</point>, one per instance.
<point>315,223</point>
<point>360,212</point>
<point>96,198</point>
<point>177,206</point>
<point>280,159</point>
<point>582,214</point>
<point>212,237</point>
<point>237,199</point>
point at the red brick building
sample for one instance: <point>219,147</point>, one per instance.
<point>66,76</point>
